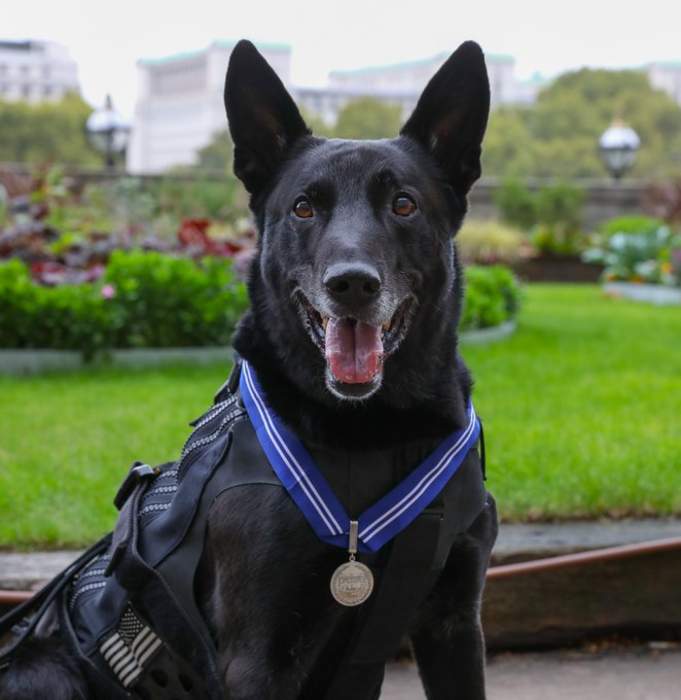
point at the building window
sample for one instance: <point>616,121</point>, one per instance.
<point>25,91</point>
<point>46,72</point>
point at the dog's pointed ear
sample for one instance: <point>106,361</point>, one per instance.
<point>263,118</point>
<point>451,116</point>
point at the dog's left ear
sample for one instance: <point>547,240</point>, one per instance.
<point>263,118</point>
<point>451,116</point>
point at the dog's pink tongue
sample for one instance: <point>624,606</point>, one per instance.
<point>354,350</point>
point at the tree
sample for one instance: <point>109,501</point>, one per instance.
<point>558,135</point>
<point>218,154</point>
<point>49,132</point>
<point>367,118</point>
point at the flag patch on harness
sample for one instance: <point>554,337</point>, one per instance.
<point>130,648</point>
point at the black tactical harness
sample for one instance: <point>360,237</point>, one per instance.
<point>127,607</point>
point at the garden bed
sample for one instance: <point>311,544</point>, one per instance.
<point>557,268</point>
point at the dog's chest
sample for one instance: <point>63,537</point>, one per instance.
<point>271,569</point>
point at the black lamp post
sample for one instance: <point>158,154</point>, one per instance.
<point>108,132</point>
<point>618,146</point>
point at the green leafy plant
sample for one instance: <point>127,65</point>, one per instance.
<point>68,317</point>
<point>553,215</point>
<point>559,219</point>
<point>492,297</point>
<point>630,224</point>
<point>144,300</point>
<point>652,256</point>
<point>163,301</point>
<point>517,204</point>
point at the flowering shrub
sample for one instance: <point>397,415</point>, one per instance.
<point>653,256</point>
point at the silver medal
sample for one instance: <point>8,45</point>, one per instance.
<point>352,582</point>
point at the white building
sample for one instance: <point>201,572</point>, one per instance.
<point>35,71</point>
<point>402,83</point>
<point>180,104</point>
<point>666,75</point>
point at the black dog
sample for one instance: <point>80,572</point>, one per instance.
<point>356,293</point>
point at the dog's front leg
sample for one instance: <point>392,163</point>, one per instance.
<point>249,677</point>
<point>451,661</point>
<point>447,635</point>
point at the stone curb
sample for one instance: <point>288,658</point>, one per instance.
<point>517,542</point>
<point>488,335</point>
<point>17,362</point>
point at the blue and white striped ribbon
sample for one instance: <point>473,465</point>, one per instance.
<point>301,477</point>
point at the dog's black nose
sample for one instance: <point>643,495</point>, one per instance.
<point>353,284</point>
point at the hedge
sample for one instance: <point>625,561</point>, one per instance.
<point>144,299</point>
<point>150,299</point>
<point>492,296</point>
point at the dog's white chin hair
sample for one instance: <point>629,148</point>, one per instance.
<point>352,392</point>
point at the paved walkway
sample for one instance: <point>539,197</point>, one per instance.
<point>641,673</point>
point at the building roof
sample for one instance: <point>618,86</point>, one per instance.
<point>219,43</point>
<point>676,65</point>
<point>352,93</point>
<point>25,45</point>
<point>439,57</point>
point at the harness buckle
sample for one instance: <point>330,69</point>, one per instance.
<point>138,472</point>
<point>231,384</point>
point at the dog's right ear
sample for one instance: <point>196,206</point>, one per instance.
<point>451,116</point>
<point>263,118</point>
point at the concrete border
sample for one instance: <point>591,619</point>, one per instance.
<point>34,361</point>
<point>657,294</point>
<point>480,336</point>
<point>516,542</point>
<point>30,361</point>
<point>17,362</point>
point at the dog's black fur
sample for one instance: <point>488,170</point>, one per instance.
<point>264,576</point>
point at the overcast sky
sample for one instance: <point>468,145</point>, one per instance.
<point>106,38</point>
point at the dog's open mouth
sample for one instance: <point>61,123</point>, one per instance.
<point>355,350</point>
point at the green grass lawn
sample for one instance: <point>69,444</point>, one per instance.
<point>582,411</point>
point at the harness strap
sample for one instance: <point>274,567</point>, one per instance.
<point>379,631</point>
<point>415,561</point>
<point>42,601</point>
<point>146,585</point>
<point>127,502</point>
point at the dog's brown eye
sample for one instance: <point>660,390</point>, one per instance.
<point>303,209</point>
<point>403,205</point>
